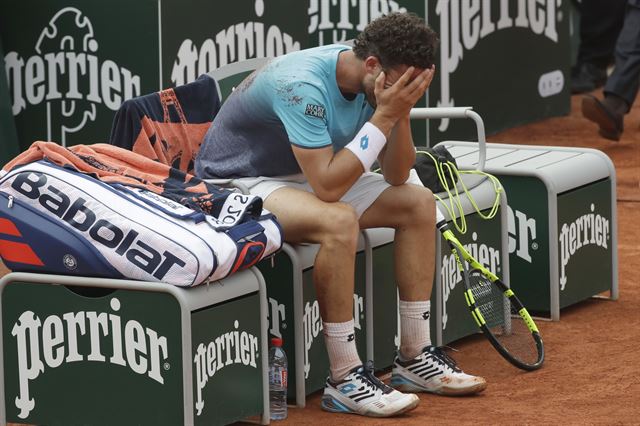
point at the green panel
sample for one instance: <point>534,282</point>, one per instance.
<point>143,378</point>
<point>278,274</point>
<point>9,146</point>
<point>574,31</point>
<point>385,307</point>
<point>199,36</point>
<point>528,220</point>
<point>227,375</point>
<point>339,21</point>
<point>584,242</point>
<point>70,64</point>
<point>519,44</point>
<point>482,240</point>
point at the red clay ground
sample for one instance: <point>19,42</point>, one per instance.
<point>591,374</point>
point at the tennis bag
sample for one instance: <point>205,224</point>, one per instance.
<point>429,161</point>
<point>57,220</point>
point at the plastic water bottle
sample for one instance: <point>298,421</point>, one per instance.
<point>277,380</point>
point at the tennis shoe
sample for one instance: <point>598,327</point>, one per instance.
<point>361,392</point>
<point>435,372</point>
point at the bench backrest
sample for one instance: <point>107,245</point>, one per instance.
<point>228,77</point>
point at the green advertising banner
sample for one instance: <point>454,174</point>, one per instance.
<point>9,146</point>
<point>71,63</point>
<point>584,242</point>
<point>227,376</point>
<point>332,21</point>
<point>70,352</point>
<point>507,59</point>
<point>528,221</point>
<point>199,36</point>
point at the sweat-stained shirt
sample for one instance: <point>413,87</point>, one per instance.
<point>293,100</point>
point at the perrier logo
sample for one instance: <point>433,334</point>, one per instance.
<point>50,342</point>
<point>67,75</point>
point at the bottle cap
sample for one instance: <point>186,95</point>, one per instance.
<point>276,341</point>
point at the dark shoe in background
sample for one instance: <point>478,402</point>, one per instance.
<point>608,114</point>
<point>587,77</point>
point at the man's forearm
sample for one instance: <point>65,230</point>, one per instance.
<point>400,154</point>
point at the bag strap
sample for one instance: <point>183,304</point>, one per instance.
<point>454,204</point>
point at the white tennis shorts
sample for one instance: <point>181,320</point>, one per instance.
<point>360,196</point>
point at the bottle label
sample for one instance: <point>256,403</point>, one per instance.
<point>278,377</point>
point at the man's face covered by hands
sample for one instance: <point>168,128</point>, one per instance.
<point>391,76</point>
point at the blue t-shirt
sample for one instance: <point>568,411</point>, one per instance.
<point>294,99</point>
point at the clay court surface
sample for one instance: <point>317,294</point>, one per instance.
<point>592,369</point>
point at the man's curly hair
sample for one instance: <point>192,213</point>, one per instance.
<point>398,39</point>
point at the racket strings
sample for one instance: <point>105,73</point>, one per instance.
<point>503,319</point>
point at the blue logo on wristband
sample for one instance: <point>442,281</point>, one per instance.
<point>364,142</point>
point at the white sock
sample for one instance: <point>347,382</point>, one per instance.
<point>414,328</point>
<point>340,340</point>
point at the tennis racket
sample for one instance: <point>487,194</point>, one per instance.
<point>496,309</point>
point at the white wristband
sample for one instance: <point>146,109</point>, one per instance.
<point>367,144</point>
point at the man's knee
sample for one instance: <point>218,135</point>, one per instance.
<point>419,205</point>
<point>340,225</point>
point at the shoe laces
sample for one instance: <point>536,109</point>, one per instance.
<point>439,353</point>
<point>366,376</point>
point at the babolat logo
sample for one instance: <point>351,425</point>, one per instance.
<point>450,274</point>
<point>464,24</point>
<point>330,30</point>
<point>54,341</point>
<point>314,110</point>
<point>68,76</point>
<point>76,213</point>
<point>312,325</point>
<point>588,229</point>
<point>233,347</point>
<point>522,234</point>
<point>244,40</point>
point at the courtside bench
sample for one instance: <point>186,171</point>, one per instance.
<point>79,350</point>
<point>562,221</point>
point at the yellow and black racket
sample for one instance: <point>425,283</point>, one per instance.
<point>496,309</point>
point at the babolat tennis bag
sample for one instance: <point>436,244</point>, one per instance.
<point>58,220</point>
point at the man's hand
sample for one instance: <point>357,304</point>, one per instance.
<point>397,100</point>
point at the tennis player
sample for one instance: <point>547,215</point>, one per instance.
<point>303,133</point>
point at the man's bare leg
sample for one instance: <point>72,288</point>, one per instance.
<point>410,210</point>
<point>421,367</point>
<point>306,219</point>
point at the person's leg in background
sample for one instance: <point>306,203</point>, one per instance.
<point>622,85</point>
<point>600,25</point>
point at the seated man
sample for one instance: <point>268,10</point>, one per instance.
<point>302,133</point>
